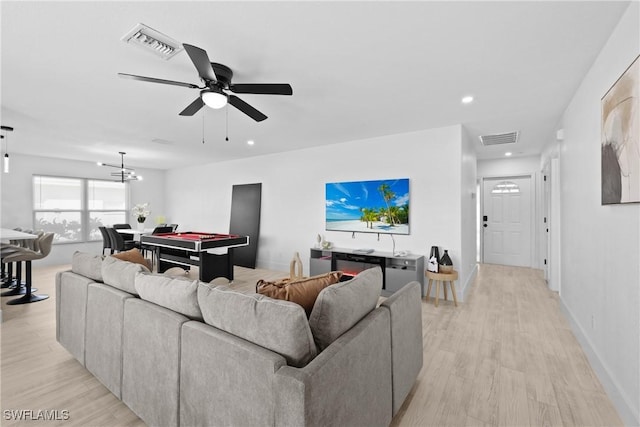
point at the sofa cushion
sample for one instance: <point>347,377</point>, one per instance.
<point>339,307</point>
<point>133,255</point>
<point>87,265</point>
<point>300,291</point>
<point>121,274</point>
<point>280,326</point>
<point>179,294</point>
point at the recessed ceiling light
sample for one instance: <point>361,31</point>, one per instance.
<point>467,100</point>
<point>250,142</point>
<point>508,153</point>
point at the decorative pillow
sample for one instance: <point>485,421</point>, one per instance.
<point>133,255</point>
<point>339,307</point>
<point>175,293</point>
<point>121,274</point>
<point>300,291</point>
<point>87,265</point>
<point>280,326</point>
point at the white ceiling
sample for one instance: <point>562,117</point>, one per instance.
<point>358,70</point>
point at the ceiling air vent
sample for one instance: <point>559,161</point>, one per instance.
<point>499,138</point>
<point>152,41</point>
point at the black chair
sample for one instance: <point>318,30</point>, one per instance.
<point>158,230</point>
<point>118,243</point>
<point>162,229</point>
<point>106,240</point>
<point>124,227</point>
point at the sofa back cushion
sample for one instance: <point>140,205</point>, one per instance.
<point>301,291</point>
<point>179,294</point>
<point>339,307</point>
<point>280,326</point>
<point>87,265</point>
<point>121,274</point>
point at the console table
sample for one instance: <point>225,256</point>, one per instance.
<point>397,271</point>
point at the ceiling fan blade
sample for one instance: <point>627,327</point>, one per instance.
<point>154,80</point>
<point>246,108</point>
<point>263,88</point>
<point>201,60</point>
<point>192,108</point>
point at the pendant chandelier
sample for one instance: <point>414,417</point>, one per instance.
<point>124,174</point>
<point>6,149</point>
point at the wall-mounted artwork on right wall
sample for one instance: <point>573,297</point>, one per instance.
<point>620,139</point>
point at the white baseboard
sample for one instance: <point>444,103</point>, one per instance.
<point>629,416</point>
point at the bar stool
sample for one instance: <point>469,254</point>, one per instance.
<point>444,278</point>
<point>42,246</point>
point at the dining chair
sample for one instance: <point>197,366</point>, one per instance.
<point>106,240</point>
<point>118,243</point>
<point>152,249</point>
<point>162,229</point>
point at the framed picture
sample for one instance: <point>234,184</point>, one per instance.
<point>620,138</point>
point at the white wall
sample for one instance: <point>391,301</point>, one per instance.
<point>600,271</point>
<point>17,196</point>
<point>511,166</point>
<point>293,194</point>
<point>469,214</point>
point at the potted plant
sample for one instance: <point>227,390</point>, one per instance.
<point>141,211</point>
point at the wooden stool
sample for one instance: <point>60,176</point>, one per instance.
<point>444,278</point>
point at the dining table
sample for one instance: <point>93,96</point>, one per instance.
<point>7,234</point>
<point>135,233</point>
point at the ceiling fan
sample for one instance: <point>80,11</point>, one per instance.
<point>217,81</point>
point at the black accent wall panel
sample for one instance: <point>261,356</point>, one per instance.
<point>245,220</point>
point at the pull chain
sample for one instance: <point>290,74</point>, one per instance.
<point>203,127</point>
<point>226,138</point>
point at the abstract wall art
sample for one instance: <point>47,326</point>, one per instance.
<point>620,138</point>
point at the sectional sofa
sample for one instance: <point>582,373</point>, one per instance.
<point>179,352</point>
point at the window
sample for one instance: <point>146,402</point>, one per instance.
<point>106,205</point>
<point>74,208</point>
<point>505,187</point>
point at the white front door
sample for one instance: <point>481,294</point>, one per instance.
<point>506,221</point>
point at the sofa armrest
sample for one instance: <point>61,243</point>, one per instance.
<point>405,309</point>
<point>349,383</point>
<point>71,312</point>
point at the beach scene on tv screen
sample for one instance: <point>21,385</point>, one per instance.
<point>380,206</point>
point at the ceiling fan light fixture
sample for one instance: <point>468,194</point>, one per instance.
<point>215,99</point>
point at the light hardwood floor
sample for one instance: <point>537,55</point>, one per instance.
<point>504,357</point>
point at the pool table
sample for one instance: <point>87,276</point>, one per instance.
<point>190,248</point>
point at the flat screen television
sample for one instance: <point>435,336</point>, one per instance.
<point>380,206</point>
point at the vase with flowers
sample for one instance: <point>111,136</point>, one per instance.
<point>141,211</point>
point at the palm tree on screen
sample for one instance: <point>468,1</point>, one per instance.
<point>387,195</point>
